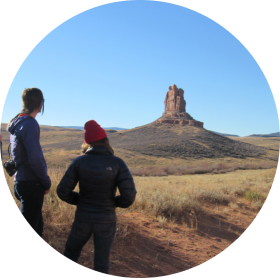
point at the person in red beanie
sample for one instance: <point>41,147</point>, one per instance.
<point>99,174</point>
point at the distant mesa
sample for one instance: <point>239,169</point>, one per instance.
<point>275,134</point>
<point>225,134</point>
<point>175,110</point>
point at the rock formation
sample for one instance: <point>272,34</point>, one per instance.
<point>175,109</point>
<point>174,100</point>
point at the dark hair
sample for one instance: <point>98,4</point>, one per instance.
<point>103,142</point>
<point>32,99</point>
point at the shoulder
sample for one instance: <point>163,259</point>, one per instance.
<point>78,160</point>
<point>28,127</point>
<point>116,158</point>
<point>29,123</point>
<point>121,164</point>
<point>19,123</point>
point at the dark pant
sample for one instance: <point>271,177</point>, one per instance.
<point>31,196</point>
<point>103,237</point>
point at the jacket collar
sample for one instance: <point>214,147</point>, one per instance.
<point>99,150</point>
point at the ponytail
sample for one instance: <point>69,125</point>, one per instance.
<point>12,120</point>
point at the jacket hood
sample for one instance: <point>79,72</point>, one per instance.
<point>99,150</point>
<point>15,122</point>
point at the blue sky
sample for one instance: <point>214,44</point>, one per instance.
<point>114,64</point>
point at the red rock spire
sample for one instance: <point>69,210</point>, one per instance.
<point>174,100</point>
<point>175,110</point>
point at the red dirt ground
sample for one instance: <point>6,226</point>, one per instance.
<point>144,247</point>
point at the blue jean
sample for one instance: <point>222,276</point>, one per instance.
<point>31,197</point>
<point>103,237</point>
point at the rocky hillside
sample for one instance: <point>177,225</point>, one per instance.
<point>181,141</point>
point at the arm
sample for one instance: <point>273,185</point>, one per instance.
<point>30,134</point>
<point>1,144</point>
<point>126,187</point>
<point>67,185</point>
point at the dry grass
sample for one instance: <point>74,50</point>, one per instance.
<point>172,197</point>
<point>177,197</point>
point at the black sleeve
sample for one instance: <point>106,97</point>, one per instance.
<point>67,185</point>
<point>126,187</point>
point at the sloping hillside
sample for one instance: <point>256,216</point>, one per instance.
<point>182,141</point>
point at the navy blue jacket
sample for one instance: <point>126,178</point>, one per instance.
<point>27,152</point>
<point>99,174</point>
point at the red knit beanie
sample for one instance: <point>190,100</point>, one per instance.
<point>94,132</point>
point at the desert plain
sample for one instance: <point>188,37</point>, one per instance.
<point>189,206</point>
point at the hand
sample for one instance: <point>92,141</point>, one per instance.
<point>47,191</point>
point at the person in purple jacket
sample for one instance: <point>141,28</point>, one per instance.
<point>31,179</point>
<point>1,144</point>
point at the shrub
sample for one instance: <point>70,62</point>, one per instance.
<point>174,170</point>
<point>257,204</point>
<point>137,172</point>
<point>233,205</point>
<point>213,196</point>
<point>157,171</point>
<point>253,196</point>
<point>202,169</point>
<point>238,191</point>
<point>221,166</point>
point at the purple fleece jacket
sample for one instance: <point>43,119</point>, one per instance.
<point>27,152</point>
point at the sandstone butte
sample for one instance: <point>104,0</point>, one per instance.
<point>175,110</point>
